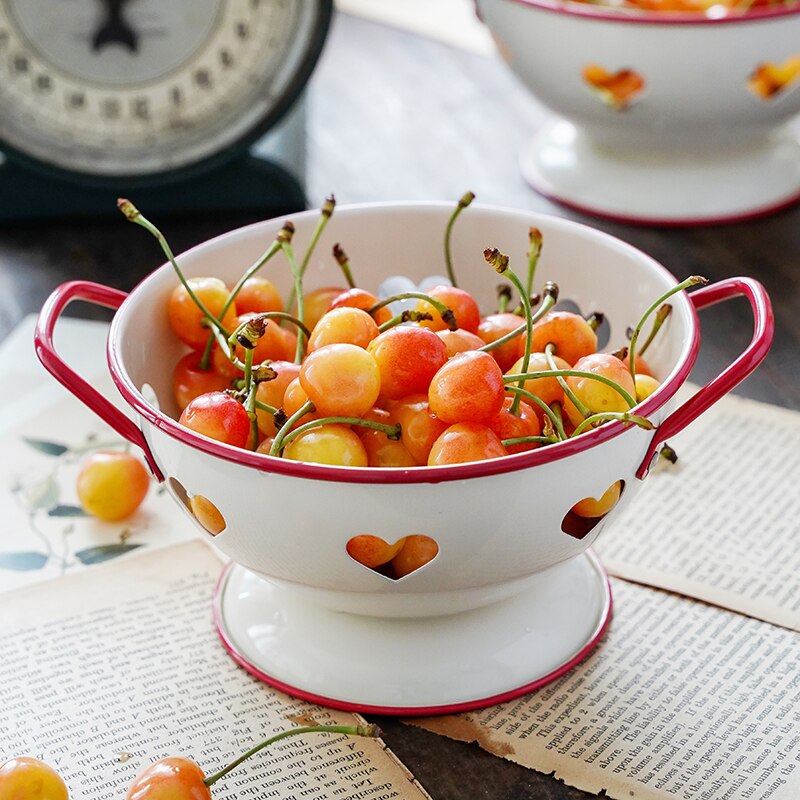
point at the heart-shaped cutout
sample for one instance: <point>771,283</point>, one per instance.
<point>201,508</point>
<point>396,560</point>
<point>586,514</point>
<point>616,89</point>
<point>769,80</point>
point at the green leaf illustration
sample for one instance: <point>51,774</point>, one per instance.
<point>43,494</point>
<point>94,555</point>
<point>63,510</point>
<point>48,448</point>
<point>23,561</point>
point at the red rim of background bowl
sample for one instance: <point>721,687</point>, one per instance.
<point>574,8</point>
<point>396,475</point>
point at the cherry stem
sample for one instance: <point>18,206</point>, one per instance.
<point>371,731</point>
<point>392,431</point>
<point>326,213</point>
<point>409,315</point>
<point>693,280</point>
<point>548,302</point>
<point>448,317</point>
<point>261,406</point>
<point>503,298</point>
<point>571,373</point>
<point>344,263</point>
<point>534,251</point>
<point>463,202</point>
<point>300,350</point>
<point>554,418</point>
<point>669,453</point>
<point>529,439</point>
<point>595,319</point>
<point>621,416</point>
<point>661,315</point>
<point>277,444</point>
<point>248,273</point>
<point>250,387</point>
<point>134,215</point>
<point>582,409</point>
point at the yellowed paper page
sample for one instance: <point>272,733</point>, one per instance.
<point>680,700</point>
<point>103,672</point>
<point>723,524</point>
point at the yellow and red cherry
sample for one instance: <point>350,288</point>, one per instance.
<point>459,340</point>
<point>494,327</point>
<point>407,357</point>
<point>461,303</point>
<point>186,318</point>
<point>333,444</point>
<point>645,386</point>
<point>571,334</point>
<point>294,398</point>
<point>360,298</point>
<point>171,778</point>
<point>468,388</point>
<point>464,442</point>
<point>596,396</point>
<point>341,380</point>
<point>258,295</point>
<point>28,778</point>
<point>515,426</point>
<point>317,302</point>
<point>343,325</point>
<point>383,451</point>
<point>372,551</point>
<point>272,393</point>
<point>207,514</point>
<point>420,428</point>
<point>190,380</point>
<point>591,507</point>
<point>217,416</point>
<point>416,551</point>
<point>546,389</point>
<point>112,485</point>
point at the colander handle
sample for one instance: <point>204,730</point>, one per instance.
<point>43,340</point>
<point>735,373</point>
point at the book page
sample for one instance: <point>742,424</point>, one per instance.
<point>723,524</point>
<point>680,700</point>
<point>103,672</point>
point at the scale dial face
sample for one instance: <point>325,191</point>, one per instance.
<point>113,88</point>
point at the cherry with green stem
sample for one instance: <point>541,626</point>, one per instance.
<point>447,315</point>
<point>182,777</point>
<point>463,202</point>
<point>392,432</point>
<point>553,416</point>
<point>550,298</point>
<point>277,445</point>
<point>582,409</point>
<point>693,280</point>
<point>575,373</point>
<point>134,215</point>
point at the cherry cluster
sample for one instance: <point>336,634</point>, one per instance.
<point>342,379</point>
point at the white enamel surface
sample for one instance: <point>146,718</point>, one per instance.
<point>696,114</point>
<point>415,663</point>
<point>493,531</point>
<point>564,163</point>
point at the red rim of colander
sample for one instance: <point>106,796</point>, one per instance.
<point>391,475</point>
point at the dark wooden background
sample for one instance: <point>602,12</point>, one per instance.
<point>392,116</point>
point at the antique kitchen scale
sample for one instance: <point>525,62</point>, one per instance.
<point>190,105</point>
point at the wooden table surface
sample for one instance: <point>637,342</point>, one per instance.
<point>393,116</point>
